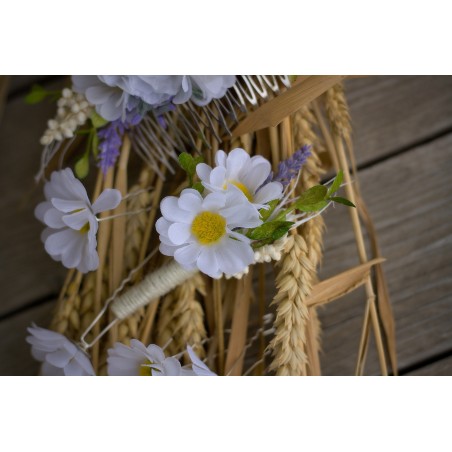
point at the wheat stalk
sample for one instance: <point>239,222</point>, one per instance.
<point>293,282</point>
<point>181,318</point>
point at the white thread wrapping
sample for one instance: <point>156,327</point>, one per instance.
<point>154,285</point>
<point>168,277</point>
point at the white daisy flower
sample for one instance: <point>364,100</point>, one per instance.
<point>248,174</point>
<point>199,368</point>
<point>71,219</point>
<point>200,233</point>
<point>58,354</point>
<point>139,360</point>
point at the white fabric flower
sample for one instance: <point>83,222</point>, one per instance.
<point>110,100</point>
<point>58,355</point>
<point>71,219</point>
<point>199,368</point>
<point>199,232</point>
<point>139,360</point>
<point>113,95</point>
<point>248,174</point>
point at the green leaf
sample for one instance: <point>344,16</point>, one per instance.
<point>341,200</point>
<point>198,186</point>
<point>97,120</point>
<point>198,159</point>
<point>272,230</point>
<point>188,164</point>
<point>311,197</point>
<point>336,183</point>
<point>37,94</point>
<point>95,144</point>
<point>265,213</point>
<point>314,207</point>
<point>82,166</point>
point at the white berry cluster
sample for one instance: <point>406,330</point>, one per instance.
<point>73,111</point>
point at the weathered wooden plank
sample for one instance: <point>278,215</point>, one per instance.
<point>410,204</point>
<point>14,351</point>
<point>442,367</point>
<point>26,272</point>
<point>394,112</point>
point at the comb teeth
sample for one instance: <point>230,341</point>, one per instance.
<point>159,139</point>
<point>185,128</point>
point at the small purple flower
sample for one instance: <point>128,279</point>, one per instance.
<point>111,139</point>
<point>288,169</point>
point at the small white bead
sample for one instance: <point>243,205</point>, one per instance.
<point>45,140</point>
<point>71,123</point>
<point>75,108</point>
<point>81,118</point>
<point>68,133</point>
<point>67,93</point>
<point>52,124</point>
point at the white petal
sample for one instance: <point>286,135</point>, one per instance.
<point>78,219</point>
<point>73,253</point>
<point>179,233</point>
<point>256,176</point>
<point>167,250</point>
<point>68,205</point>
<point>162,226</point>
<point>234,256</point>
<point>59,358</point>
<point>214,201</point>
<point>228,260</point>
<point>45,334</point>
<point>199,367</point>
<point>48,370</point>
<point>268,192</point>
<point>109,199</point>
<point>190,202</point>
<point>90,259</point>
<point>54,218</point>
<point>83,361</point>
<point>217,176</point>
<point>220,158</point>
<point>203,171</point>
<point>187,255</point>
<point>41,210</point>
<point>155,352</point>
<point>38,355</point>
<point>57,242</point>
<point>73,369</point>
<point>171,367</point>
<point>74,185</point>
<point>236,160</point>
<point>171,211</point>
<point>207,262</point>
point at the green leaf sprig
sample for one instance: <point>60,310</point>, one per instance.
<point>188,163</point>
<point>38,93</point>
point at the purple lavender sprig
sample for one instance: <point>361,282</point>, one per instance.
<point>288,169</point>
<point>110,138</point>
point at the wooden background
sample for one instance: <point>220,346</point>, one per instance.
<point>403,141</point>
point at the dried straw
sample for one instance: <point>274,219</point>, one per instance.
<point>181,318</point>
<point>294,282</point>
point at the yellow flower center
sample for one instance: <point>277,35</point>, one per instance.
<point>242,187</point>
<point>145,371</point>
<point>208,227</point>
<point>85,228</point>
